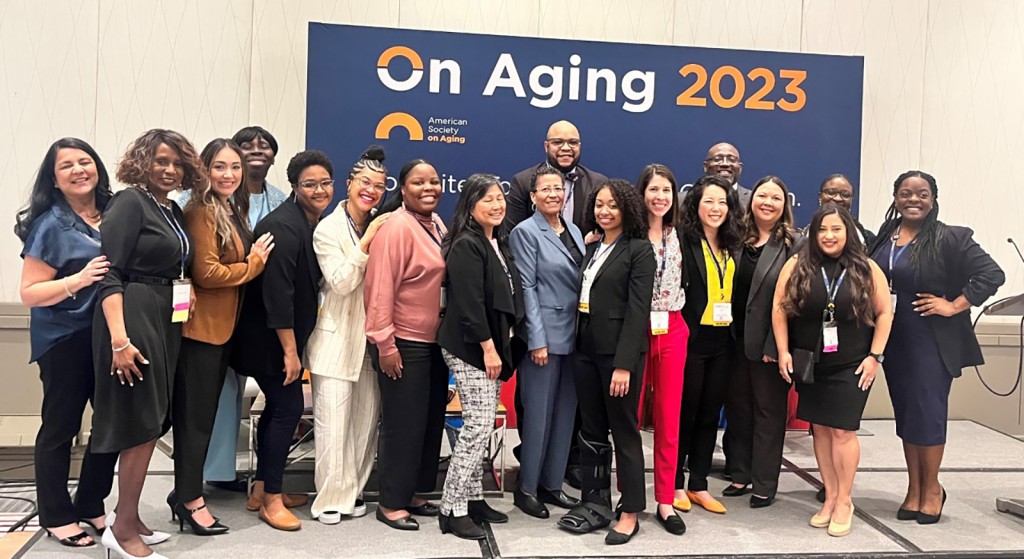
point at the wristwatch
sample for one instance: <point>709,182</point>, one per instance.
<point>878,357</point>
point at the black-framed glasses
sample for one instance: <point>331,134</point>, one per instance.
<point>559,142</point>
<point>836,193</point>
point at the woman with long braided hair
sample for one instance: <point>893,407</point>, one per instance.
<point>942,275</point>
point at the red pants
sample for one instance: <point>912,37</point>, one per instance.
<point>666,358</point>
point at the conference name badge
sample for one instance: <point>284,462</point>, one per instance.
<point>830,336</point>
<point>181,300</point>
<point>659,323</point>
<point>722,314</point>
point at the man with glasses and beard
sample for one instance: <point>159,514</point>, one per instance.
<point>563,148</point>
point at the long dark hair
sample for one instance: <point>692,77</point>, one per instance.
<point>927,243</point>
<point>650,171</point>
<point>853,259</point>
<point>394,201</point>
<point>783,228</point>
<point>45,192</point>
<point>729,233</point>
<point>203,195</point>
<point>631,206</point>
<point>473,190</point>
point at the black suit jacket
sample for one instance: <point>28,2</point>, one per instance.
<point>963,268</point>
<point>481,305</point>
<point>519,195</point>
<point>283,296</point>
<point>620,304</point>
<point>758,337</point>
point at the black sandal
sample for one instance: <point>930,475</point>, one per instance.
<point>99,531</point>
<point>586,518</point>
<point>72,541</point>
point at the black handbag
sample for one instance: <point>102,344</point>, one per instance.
<point>803,366</point>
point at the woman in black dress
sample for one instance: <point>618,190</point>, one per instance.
<point>943,275</point>
<point>136,331</point>
<point>831,300</point>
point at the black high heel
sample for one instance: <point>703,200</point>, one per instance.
<point>186,515</point>
<point>99,531</point>
<point>73,541</point>
<point>923,518</point>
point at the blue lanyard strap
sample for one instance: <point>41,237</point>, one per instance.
<point>893,259</point>
<point>178,231</point>
<point>440,235</point>
<point>351,222</point>
<point>664,259</point>
<point>831,290</point>
<point>599,251</point>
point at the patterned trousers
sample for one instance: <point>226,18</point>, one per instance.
<point>479,397</point>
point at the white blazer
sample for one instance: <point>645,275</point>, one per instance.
<point>338,343</point>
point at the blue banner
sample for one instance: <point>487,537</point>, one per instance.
<point>483,103</point>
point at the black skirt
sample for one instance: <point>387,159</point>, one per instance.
<point>834,400</point>
<point>126,416</point>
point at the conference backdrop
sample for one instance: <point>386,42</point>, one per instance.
<point>482,103</point>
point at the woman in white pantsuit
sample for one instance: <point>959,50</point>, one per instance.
<point>346,403</point>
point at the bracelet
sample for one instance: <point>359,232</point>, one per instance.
<point>122,348</point>
<point>68,290</point>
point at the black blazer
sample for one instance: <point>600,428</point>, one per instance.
<point>481,305</point>
<point>695,282</point>
<point>283,296</point>
<point>519,195</point>
<point>758,337</point>
<point>963,268</point>
<point>620,304</point>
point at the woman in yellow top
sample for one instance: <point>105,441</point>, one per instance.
<point>711,233</point>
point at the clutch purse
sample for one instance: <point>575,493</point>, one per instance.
<point>803,366</point>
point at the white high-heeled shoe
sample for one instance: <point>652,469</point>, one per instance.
<point>155,538</point>
<point>110,542</point>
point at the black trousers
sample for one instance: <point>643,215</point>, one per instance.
<point>68,380</point>
<point>601,412</point>
<point>705,382</point>
<point>412,421</point>
<point>197,386</point>
<point>276,429</point>
<point>756,410</point>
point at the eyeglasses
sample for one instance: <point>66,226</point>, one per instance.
<point>835,193</point>
<point>326,184</point>
<point>379,186</point>
<point>723,159</point>
<point>559,142</point>
<point>549,190</point>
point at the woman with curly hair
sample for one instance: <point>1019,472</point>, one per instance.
<point>144,299</point>
<point>611,346</point>
<point>711,233</point>
<point>62,264</point>
<point>934,286</point>
<point>831,309</point>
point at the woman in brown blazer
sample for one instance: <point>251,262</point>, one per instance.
<point>225,259</point>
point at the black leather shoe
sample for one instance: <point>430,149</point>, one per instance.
<point>405,523</point>
<point>673,524</point>
<point>480,512</point>
<point>760,502</point>
<point>923,518</point>
<point>821,495</point>
<point>186,515</point>
<point>906,514</point>
<point>426,509</point>
<point>557,498</point>
<point>529,504</point>
<point>236,485</point>
<point>461,526</point>
<point>733,491</point>
<point>618,538</point>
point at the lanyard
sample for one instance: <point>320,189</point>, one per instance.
<point>600,252</point>
<point>569,192</point>
<point>831,290</point>
<point>720,268</point>
<point>664,259</point>
<point>440,235</point>
<point>508,273</point>
<point>178,231</point>
<point>894,259</point>
<point>351,222</point>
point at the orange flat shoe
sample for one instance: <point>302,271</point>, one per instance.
<point>283,519</point>
<point>710,504</point>
<point>255,500</point>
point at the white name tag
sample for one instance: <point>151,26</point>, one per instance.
<point>181,300</point>
<point>444,298</point>
<point>830,337</point>
<point>659,323</point>
<point>584,304</point>
<point>722,314</point>
<point>893,295</point>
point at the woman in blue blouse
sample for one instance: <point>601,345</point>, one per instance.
<point>62,263</point>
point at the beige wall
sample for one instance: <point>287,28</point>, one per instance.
<point>940,90</point>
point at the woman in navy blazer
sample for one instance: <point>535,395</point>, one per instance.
<point>614,308</point>
<point>548,252</point>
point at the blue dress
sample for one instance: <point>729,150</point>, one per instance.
<point>918,381</point>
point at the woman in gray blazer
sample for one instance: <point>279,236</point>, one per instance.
<point>548,253</point>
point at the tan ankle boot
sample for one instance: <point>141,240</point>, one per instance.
<point>256,498</point>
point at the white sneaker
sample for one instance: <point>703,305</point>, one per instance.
<point>359,510</point>
<point>329,517</point>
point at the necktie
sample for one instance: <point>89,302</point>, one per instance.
<point>571,178</point>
